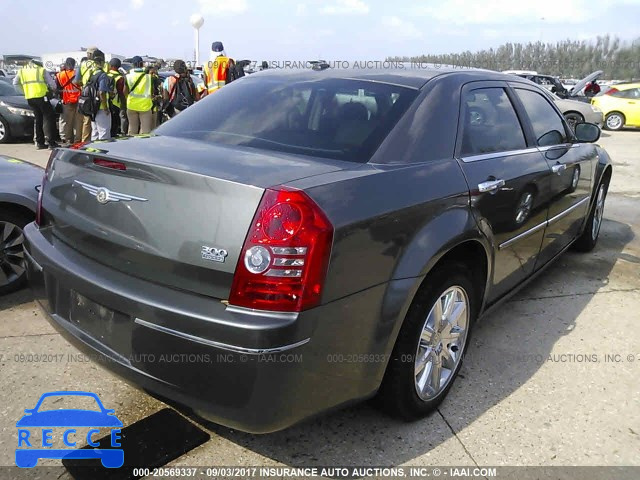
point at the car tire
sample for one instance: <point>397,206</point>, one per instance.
<point>5,134</point>
<point>12,272</point>
<point>572,118</point>
<point>614,121</point>
<point>405,391</point>
<point>589,237</point>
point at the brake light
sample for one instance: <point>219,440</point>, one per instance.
<point>611,91</point>
<point>101,162</point>
<point>284,259</point>
<point>42,185</point>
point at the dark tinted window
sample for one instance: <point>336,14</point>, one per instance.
<point>334,118</point>
<point>547,123</point>
<point>490,123</point>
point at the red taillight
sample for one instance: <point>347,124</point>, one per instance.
<point>101,162</point>
<point>283,262</point>
<point>42,185</point>
<point>611,91</point>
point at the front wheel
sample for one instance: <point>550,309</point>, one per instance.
<point>587,241</point>
<point>431,344</point>
<point>573,118</point>
<point>12,271</point>
<point>4,131</point>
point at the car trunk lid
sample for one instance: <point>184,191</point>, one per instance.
<point>175,212</point>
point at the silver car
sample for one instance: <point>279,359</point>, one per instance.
<point>578,112</point>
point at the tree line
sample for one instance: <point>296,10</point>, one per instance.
<point>567,58</point>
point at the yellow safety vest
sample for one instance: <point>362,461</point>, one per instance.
<point>114,76</point>
<point>32,81</point>
<point>87,69</point>
<point>139,99</point>
<point>216,73</point>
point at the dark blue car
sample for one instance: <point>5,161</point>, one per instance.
<point>110,458</point>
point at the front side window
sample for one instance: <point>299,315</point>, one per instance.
<point>342,119</point>
<point>489,123</point>
<point>547,124</point>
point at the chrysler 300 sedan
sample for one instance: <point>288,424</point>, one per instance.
<point>304,239</point>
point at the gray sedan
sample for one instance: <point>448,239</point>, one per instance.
<point>305,239</point>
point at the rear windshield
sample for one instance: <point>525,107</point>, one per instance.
<point>333,118</point>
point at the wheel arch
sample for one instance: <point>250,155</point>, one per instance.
<point>16,207</point>
<point>574,112</point>
<point>471,249</point>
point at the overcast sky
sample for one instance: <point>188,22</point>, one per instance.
<point>305,29</point>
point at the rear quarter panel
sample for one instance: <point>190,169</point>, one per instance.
<point>392,225</point>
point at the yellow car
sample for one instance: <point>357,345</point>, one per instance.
<point>620,106</point>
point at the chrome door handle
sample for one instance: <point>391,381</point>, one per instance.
<point>490,185</point>
<point>558,168</point>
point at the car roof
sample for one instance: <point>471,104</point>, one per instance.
<point>412,77</point>
<point>626,86</point>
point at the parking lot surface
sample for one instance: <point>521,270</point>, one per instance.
<point>551,377</point>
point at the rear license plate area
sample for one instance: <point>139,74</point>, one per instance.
<point>107,326</point>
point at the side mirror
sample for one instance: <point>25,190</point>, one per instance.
<point>587,132</point>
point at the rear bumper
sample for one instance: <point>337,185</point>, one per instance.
<point>253,371</point>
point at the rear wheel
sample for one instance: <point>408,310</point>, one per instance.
<point>431,344</point>
<point>614,121</point>
<point>12,270</point>
<point>587,241</point>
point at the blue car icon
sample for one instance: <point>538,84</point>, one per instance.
<point>110,457</point>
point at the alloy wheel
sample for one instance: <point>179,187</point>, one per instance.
<point>3,131</point>
<point>614,122</point>
<point>524,207</point>
<point>576,178</point>
<point>598,213</point>
<point>441,343</point>
<point>11,254</point>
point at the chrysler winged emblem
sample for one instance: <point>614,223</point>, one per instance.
<point>104,195</point>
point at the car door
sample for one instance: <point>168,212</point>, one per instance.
<point>572,165</point>
<point>508,181</point>
<point>631,106</point>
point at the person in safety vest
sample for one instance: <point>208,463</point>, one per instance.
<point>84,72</point>
<point>101,124</point>
<point>217,70</point>
<point>70,93</point>
<point>156,81</point>
<point>139,91</point>
<point>117,99</point>
<point>36,83</point>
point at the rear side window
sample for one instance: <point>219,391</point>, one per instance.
<point>547,124</point>
<point>631,93</point>
<point>489,123</point>
<point>342,119</point>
